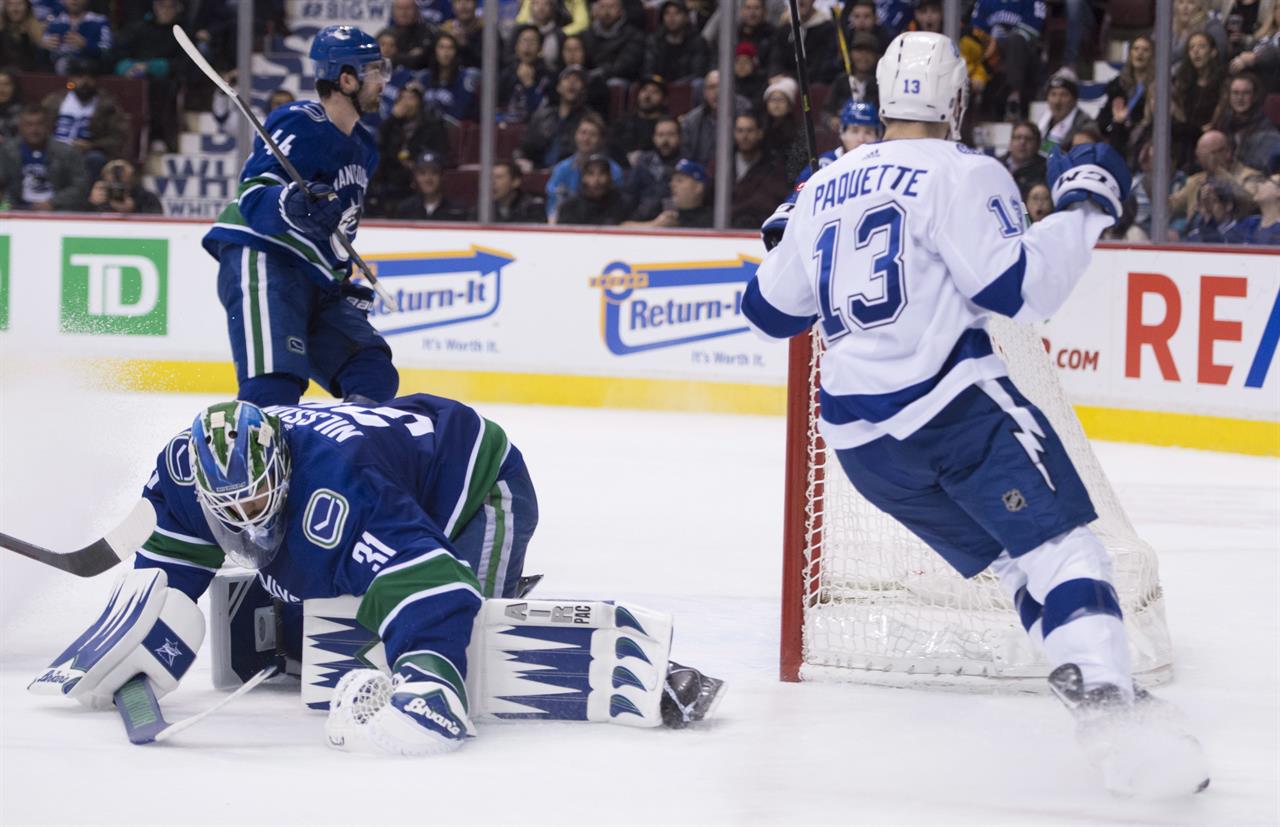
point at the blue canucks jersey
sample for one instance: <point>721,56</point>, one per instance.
<point>998,17</point>
<point>322,154</point>
<point>375,496</point>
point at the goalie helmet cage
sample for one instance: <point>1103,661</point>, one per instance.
<point>865,601</point>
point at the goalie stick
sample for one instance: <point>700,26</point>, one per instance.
<point>101,554</point>
<point>212,74</point>
<point>143,720</point>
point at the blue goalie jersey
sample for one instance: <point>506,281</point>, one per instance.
<point>376,495</point>
<point>322,154</point>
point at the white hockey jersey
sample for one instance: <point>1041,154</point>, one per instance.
<point>898,251</point>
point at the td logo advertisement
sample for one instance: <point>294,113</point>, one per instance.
<point>115,286</point>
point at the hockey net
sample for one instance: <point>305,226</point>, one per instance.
<point>865,601</point>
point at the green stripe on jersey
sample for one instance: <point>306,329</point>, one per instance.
<point>493,449</point>
<point>500,519</point>
<point>200,554</point>
<point>388,590</point>
<point>441,668</point>
<point>231,218</point>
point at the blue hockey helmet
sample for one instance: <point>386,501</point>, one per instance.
<point>339,46</point>
<point>241,466</point>
<point>859,113</point>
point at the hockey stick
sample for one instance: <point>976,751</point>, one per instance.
<point>844,47</point>
<point>143,720</point>
<point>203,65</point>
<point>99,555</point>
<point>802,74</point>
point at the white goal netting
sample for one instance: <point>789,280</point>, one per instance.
<point>879,606</point>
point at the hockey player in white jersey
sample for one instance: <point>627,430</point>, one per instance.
<point>898,252</point>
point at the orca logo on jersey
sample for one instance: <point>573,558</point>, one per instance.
<point>647,306</point>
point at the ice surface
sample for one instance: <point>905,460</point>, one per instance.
<point>677,512</point>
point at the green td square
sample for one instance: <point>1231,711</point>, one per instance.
<point>115,286</point>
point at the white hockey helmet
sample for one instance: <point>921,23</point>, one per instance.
<point>922,77</point>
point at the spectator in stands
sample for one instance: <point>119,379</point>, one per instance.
<point>88,119</point>
<point>1264,57</point>
<point>1216,214</point>
<point>412,33</point>
<point>278,98</point>
<point>511,204</point>
<point>467,30</point>
<point>781,127</point>
<point>1197,84</point>
<point>38,173</point>
<point>1265,227</point>
<point>1139,225</point>
<point>147,49</point>
<point>545,16</point>
<point>649,183</point>
<point>1081,18</point>
<point>77,33</point>
<point>408,134</point>
<point>1125,117</point>
<point>573,52</point>
<point>566,176</point>
<point>748,80</point>
<point>1064,116</point>
<point>10,106</point>
<point>1216,156</point>
<point>698,125</point>
<point>818,34</point>
<point>927,17</point>
<point>1039,202</point>
<point>435,12</point>
<point>525,82</point>
<point>1010,35</point>
<point>1191,17</point>
<point>633,134</point>
<point>864,54</point>
<point>760,183</point>
<point>120,191</point>
<point>1088,133</point>
<point>615,48</point>
<point>676,51</point>
<point>1241,118</point>
<point>569,16</point>
<point>448,86</point>
<point>863,17</point>
<point>549,137</point>
<point>428,202</point>
<point>753,27</point>
<point>598,201</point>
<point>689,187</point>
<point>1023,160</point>
<point>21,38</point>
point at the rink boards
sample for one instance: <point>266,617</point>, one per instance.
<point>1169,347</point>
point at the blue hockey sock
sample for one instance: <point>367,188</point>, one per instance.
<point>272,389</point>
<point>368,373</point>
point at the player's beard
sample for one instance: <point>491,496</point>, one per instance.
<point>367,99</point>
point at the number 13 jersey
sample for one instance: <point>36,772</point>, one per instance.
<point>898,252</point>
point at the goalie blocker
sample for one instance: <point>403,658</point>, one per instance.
<point>529,659</point>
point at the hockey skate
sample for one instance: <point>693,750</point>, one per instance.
<point>689,696</point>
<point>1141,746</point>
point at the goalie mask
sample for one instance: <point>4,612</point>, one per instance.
<point>241,465</point>
<point>922,77</point>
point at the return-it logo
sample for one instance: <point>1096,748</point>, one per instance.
<point>650,306</point>
<point>437,289</point>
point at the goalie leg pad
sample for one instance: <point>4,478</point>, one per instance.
<point>147,629</point>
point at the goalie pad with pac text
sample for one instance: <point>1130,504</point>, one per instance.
<point>146,629</point>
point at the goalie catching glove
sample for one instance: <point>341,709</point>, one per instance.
<point>415,713</point>
<point>1093,173</point>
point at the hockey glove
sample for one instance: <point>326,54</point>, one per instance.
<point>416,713</point>
<point>1091,172</point>
<point>359,296</point>
<point>315,214</point>
<point>775,225</point>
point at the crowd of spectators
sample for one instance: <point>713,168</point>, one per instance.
<point>608,109</point>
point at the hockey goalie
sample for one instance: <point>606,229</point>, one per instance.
<point>421,509</point>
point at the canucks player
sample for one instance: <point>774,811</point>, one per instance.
<point>421,507</point>
<point>292,315</point>
<point>859,124</point>
<point>898,251</point>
